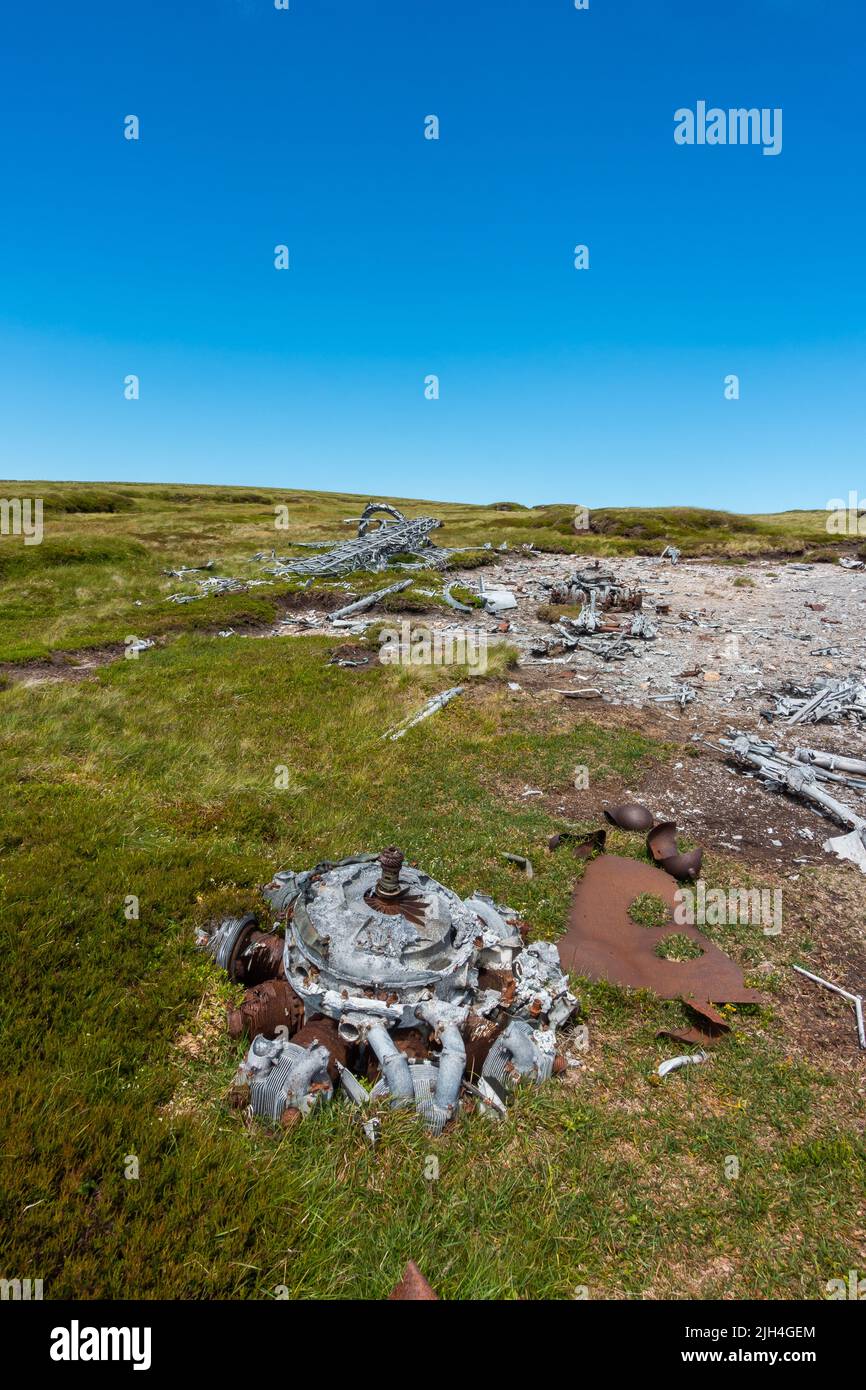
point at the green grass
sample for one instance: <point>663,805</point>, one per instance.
<point>97,576</point>
<point>648,910</point>
<point>157,780</point>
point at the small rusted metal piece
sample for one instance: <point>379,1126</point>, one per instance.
<point>662,840</point>
<point>413,1286</point>
<point>710,1029</point>
<point>662,845</point>
<point>586,845</point>
<point>265,1008</point>
<point>629,816</point>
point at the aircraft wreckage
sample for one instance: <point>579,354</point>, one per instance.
<point>374,547</point>
<point>388,985</point>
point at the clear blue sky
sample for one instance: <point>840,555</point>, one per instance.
<point>411,257</point>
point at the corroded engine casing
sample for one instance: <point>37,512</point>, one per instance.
<point>338,944</point>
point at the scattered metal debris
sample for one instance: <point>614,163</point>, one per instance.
<point>374,549</point>
<point>675,1063</point>
<point>362,604</point>
<point>218,585</point>
<point>830,701</point>
<point>436,703</point>
<point>682,697</point>
<point>781,772</point>
<point>594,587</point>
<point>522,863</point>
<point>184,570</point>
<point>855,999</point>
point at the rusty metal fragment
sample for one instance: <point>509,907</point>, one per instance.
<point>586,845</point>
<point>662,845</point>
<point>629,816</point>
<point>265,1008</point>
<point>712,1026</point>
<point>602,942</point>
<point>412,1287</point>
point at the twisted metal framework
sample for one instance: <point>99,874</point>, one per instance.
<point>374,549</point>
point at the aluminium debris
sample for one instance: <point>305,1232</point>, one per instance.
<point>436,703</point>
<point>781,772</point>
<point>183,570</point>
<point>452,601</point>
<point>387,975</point>
<point>374,549</point>
<point>828,701</point>
<point>362,604</point>
<point>676,1063</point>
<point>849,848</point>
<point>855,999</point>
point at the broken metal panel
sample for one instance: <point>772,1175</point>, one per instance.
<point>709,1030</point>
<point>602,942</point>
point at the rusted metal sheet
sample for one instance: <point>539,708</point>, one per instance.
<point>413,1286</point>
<point>602,942</point>
<point>710,1028</point>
